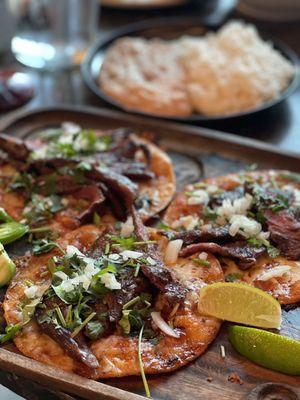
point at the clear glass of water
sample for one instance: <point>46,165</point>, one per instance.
<point>53,34</point>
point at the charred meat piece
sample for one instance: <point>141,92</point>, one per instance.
<point>115,203</point>
<point>133,170</point>
<point>14,147</point>
<point>118,183</point>
<point>216,234</point>
<point>285,232</point>
<point>48,165</point>
<point>131,287</point>
<point>94,195</point>
<point>158,274</point>
<point>131,146</point>
<point>217,200</point>
<point>74,347</point>
<point>241,251</point>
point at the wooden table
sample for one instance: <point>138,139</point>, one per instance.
<point>280,126</point>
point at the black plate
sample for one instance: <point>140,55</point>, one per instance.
<point>172,28</point>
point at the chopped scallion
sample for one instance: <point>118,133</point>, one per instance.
<point>146,386</point>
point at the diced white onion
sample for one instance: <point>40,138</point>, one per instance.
<point>203,255</point>
<point>274,272</point>
<point>34,291</point>
<point>172,251</point>
<point>188,222</point>
<point>198,197</point>
<point>126,254</point>
<point>162,325</point>
<point>72,250</point>
<point>249,227</point>
<point>238,206</point>
<point>110,282</point>
<point>151,261</point>
<point>61,275</point>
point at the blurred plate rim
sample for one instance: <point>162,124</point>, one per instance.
<point>110,4</point>
<point>139,29</point>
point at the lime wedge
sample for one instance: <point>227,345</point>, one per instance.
<point>7,267</point>
<point>238,302</point>
<point>267,349</point>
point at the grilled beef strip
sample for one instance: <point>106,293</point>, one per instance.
<point>94,194</point>
<point>241,251</point>
<point>75,347</point>
<point>14,147</point>
<point>119,184</point>
<point>158,274</point>
<point>131,287</point>
<point>215,234</point>
<point>284,230</point>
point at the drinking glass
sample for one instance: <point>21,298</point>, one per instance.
<point>52,34</point>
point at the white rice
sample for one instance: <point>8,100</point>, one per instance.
<point>233,70</point>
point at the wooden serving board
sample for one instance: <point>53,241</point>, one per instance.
<point>196,152</point>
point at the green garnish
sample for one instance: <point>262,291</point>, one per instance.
<point>272,251</point>
<point>233,277</point>
<point>160,225</point>
<point>209,214</point>
<point>131,302</point>
<point>94,329</point>
<point>205,263</point>
<point>12,231</point>
<point>42,208</point>
<point>84,323</point>
<point>291,176</point>
<point>124,322</point>
<point>146,386</point>
<point>83,141</point>
<point>10,332</point>
<point>128,243</point>
<point>4,216</point>
<point>60,316</point>
<point>96,219</point>
<point>41,246</point>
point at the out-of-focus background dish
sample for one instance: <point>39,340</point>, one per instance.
<point>141,73</point>
<point>271,10</point>
<point>61,82</point>
<point>142,4</point>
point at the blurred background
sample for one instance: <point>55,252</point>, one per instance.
<point>44,42</point>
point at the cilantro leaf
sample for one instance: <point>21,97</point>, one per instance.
<point>10,332</point>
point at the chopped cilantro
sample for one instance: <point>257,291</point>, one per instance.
<point>42,208</point>
<point>233,277</point>
<point>10,332</point>
<point>205,263</point>
<point>209,214</point>
<point>273,252</point>
<point>291,176</point>
<point>4,216</point>
<point>94,329</point>
<point>96,219</point>
<point>40,246</point>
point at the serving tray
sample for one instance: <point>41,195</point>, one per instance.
<point>196,152</point>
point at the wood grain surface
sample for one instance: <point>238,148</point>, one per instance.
<point>206,153</point>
